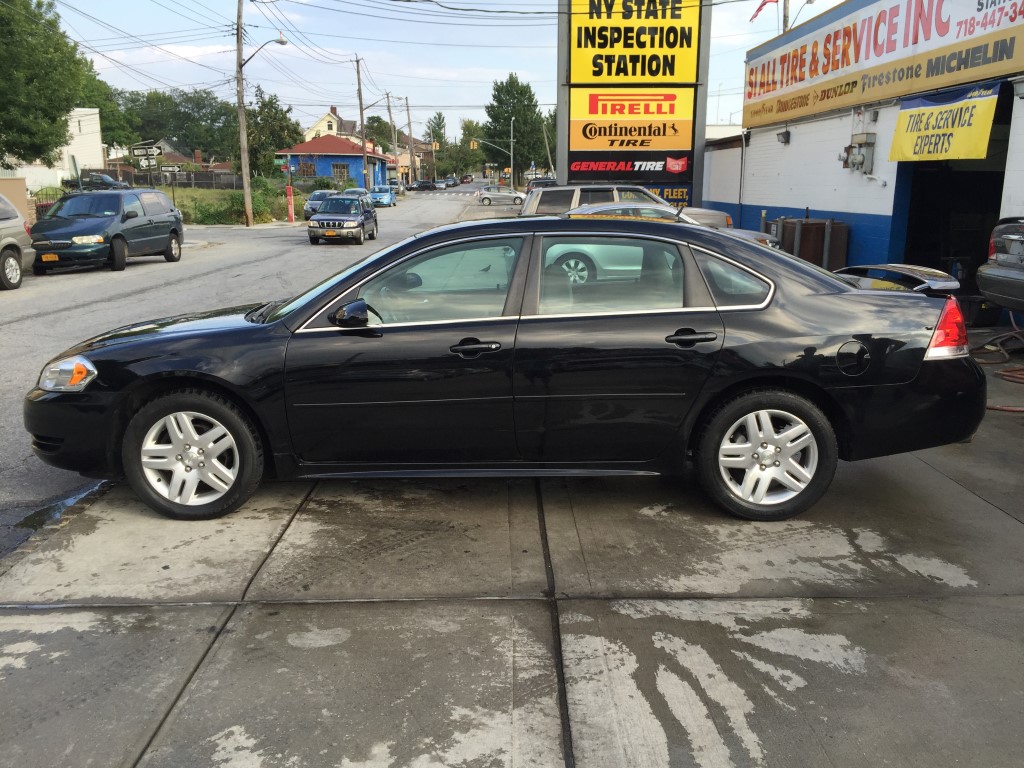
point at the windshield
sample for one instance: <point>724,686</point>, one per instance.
<point>382,189</point>
<point>326,286</point>
<point>339,205</point>
<point>320,194</point>
<point>86,205</point>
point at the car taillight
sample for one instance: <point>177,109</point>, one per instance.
<point>728,220</point>
<point>991,247</point>
<point>28,229</point>
<point>950,336</point>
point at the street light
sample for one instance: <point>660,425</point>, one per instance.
<point>243,136</point>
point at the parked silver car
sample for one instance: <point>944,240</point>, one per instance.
<point>312,204</point>
<point>1001,279</point>
<point>16,254</point>
<point>499,194</point>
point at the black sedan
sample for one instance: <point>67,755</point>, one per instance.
<point>471,350</point>
<point>1001,278</point>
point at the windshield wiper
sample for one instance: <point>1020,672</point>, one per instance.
<point>260,314</point>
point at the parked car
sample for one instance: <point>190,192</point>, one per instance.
<point>451,181</point>
<point>559,199</point>
<point>494,193</point>
<point>397,185</point>
<point>761,369</point>
<point>707,217</point>
<point>422,185</point>
<point>95,181</point>
<point>540,181</point>
<point>343,218</point>
<point>312,203</point>
<point>900,277</point>
<point>383,195</point>
<point>1001,278</point>
<point>467,178</point>
<point>105,228</point>
<point>16,252</point>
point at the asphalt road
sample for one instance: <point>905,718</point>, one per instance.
<point>220,266</point>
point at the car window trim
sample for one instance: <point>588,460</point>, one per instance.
<point>745,268</point>
<point>508,311</point>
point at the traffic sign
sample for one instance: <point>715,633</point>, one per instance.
<point>280,161</point>
<point>146,163</point>
<point>146,151</point>
<point>169,168</point>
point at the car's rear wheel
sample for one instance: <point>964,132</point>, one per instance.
<point>485,200</point>
<point>10,270</point>
<point>517,200</point>
<point>173,250</point>
<point>192,455</point>
<point>118,254</point>
<point>767,455</point>
<point>577,267</point>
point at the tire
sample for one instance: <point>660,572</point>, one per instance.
<point>172,252</point>
<point>373,235</point>
<point>517,201</point>
<point>38,271</point>
<point>362,236</point>
<point>118,254</point>
<point>485,200</point>
<point>10,270</point>
<point>577,267</point>
<point>314,241</point>
<point>792,433</point>
<point>169,444</point>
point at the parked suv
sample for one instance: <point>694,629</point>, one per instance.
<point>312,203</point>
<point>106,228</point>
<point>16,252</point>
<point>96,181</point>
<point>557,200</point>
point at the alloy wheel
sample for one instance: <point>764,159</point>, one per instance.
<point>189,458</point>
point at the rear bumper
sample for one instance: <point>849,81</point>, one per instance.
<point>944,404</point>
<point>1002,285</point>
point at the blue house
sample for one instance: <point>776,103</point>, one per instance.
<point>336,158</point>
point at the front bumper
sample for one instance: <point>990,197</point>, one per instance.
<point>348,233</point>
<point>90,253</point>
<point>74,430</point>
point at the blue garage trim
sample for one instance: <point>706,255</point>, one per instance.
<point>873,238</point>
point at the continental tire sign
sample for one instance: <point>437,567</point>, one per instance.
<point>633,70</point>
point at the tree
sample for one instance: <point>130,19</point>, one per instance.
<point>436,129</point>
<point>514,99</point>
<point>378,130</point>
<point>271,128</point>
<point>119,127</point>
<point>42,75</point>
<point>195,119</point>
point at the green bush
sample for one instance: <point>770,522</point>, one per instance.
<point>323,182</point>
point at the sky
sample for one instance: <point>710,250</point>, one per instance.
<point>441,55</point>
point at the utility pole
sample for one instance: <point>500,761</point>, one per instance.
<point>412,161</point>
<point>394,133</point>
<point>362,124</point>
<point>243,133</point>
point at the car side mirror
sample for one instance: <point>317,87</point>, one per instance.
<point>354,314</point>
<point>131,215</point>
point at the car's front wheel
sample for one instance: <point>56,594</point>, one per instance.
<point>118,254</point>
<point>10,270</point>
<point>767,455</point>
<point>173,250</point>
<point>192,455</point>
<point>314,240</point>
<point>485,200</point>
<point>517,200</point>
<point>361,237</point>
<point>373,232</point>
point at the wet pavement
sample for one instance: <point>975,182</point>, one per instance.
<point>597,623</point>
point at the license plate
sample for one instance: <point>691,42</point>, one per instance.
<point>330,233</point>
<point>50,257</point>
<point>1015,247</point>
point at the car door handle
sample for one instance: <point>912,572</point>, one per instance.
<point>474,347</point>
<point>687,337</point>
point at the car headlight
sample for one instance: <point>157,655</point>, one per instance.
<point>71,374</point>
<point>351,224</point>
<point>83,239</point>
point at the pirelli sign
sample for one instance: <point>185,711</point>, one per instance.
<point>632,89</point>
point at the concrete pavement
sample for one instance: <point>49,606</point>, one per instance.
<point>597,623</point>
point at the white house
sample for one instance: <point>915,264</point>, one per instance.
<point>84,151</point>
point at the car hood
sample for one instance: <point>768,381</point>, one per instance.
<point>63,229</point>
<point>336,217</point>
<point>196,323</point>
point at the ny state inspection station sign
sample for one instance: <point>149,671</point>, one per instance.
<point>633,73</point>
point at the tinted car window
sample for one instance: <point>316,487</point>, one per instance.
<point>154,203</point>
<point>131,203</point>
<point>7,211</point>
<point>320,194</point>
<point>341,205</point>
<point>468,280</point>
<point>732,286</point>
<point>555,200</point>
<point>609,274</point>
<point>588,196</point>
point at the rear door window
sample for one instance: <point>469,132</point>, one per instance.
<point>155,203</point>
<point>555,200</point>
<point>588,196</point>
<point>730,284</point>
<point>7,211</point>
